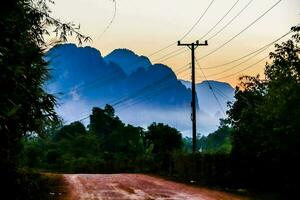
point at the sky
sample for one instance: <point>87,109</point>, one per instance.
<point>146,26</point>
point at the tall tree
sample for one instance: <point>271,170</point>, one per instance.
<point>25,107</point>
<point>266,118</point>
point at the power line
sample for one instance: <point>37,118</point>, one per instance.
<point>221,19</point>
<point>157,89</point>
<point>111,21</point>
<point>197,22</point>
<point>184,50</point>
<point>249,54</point>
<point>238,33</point>
<point>140,92</point>
<point>187,33</point>
<point>237,65</point>
<point>143,90</point>
<point>254,53</point>
<point>260,50</point>
<point>247,27</point>
<point>232,19</point>
<point>211,89</point>
<point>103,79</point>
<point>127,98</point>
<point>144,98</point>
<point>223,94</point>
<point>156,52</point>
<point>183,36</point>
<point>248,67</point>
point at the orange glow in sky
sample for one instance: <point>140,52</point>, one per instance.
<point>146,26</point>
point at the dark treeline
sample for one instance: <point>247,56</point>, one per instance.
<point>106,146</point>
<point>266,122</point>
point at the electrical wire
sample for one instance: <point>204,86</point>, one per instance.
<point>232,19</point>
<point>235,17</point>
<point>140,92</point>
<point>211,89</point>
<point>222,44</point>
<point>244,69</point>
<point>249,54</point>
<point>187,33</point>
<point>111,21</point>
<point>237,65</point>
<point>247,27</point>
<point>197,22</point>
<point>220,20</point>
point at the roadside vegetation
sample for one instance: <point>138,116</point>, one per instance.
<point>253,149</point>
<point>256,148</point>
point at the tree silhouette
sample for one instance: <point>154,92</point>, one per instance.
<point>25,107</point>
<point>266,118</point>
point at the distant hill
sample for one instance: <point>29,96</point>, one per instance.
<point>127,60</point>
<point>207,102</point>
<point>140,92</point>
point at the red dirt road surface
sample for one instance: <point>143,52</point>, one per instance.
<point>137,187</point>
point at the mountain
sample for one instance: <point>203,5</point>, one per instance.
<point>83,78</point>
<point>140,92</point>
<point>73,67</point>
<point>127,60</point>
<point>207,101</point>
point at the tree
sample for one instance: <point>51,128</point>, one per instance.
<point>104,122</point>
<point>70,131</point>
<point>25,106</point>
<point>266,118</point>
<point>218,141</point>
<point>165,140</point>
<point>109,110</point>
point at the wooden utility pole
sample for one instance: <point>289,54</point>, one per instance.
<point>193,46</point>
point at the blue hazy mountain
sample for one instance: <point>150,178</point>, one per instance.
<point>127,60</point>
<point>86,79</point>
<point>140,92</point>
<point>207,102</point>
<point>73,67</point>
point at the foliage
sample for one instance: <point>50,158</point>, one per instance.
<point>217,142</point>
<point>214,143</point>
<point>25,107</point>
<point>165,141</point>
<point>266,118</point>
<point>107,146</point>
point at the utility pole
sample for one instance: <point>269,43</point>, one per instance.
<point>193,46</point>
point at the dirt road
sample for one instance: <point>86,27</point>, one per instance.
<point>136,186</point>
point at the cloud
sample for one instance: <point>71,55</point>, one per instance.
<point>75,95</point>
<point>73,110</point>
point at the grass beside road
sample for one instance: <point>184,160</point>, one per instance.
<point>34,185</point>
